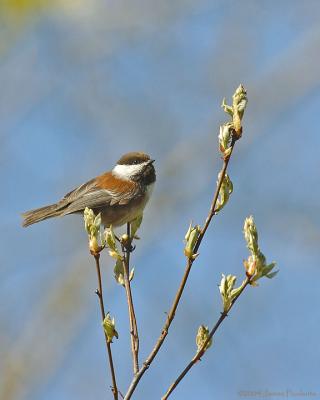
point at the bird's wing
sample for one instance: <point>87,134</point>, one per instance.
<point>94,194</point>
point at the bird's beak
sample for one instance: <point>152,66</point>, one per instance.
<point>151,161</point>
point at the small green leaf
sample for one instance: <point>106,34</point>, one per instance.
<point>109,328</point>
<point>268,268</point>
<point>272,274</point>
<point>235,292</point>
<point>226,108</point>
<point>224,193</point>
<point>225,136</point>
<point>118,272</point>
<point>135,225</point>
<point>110,238</point>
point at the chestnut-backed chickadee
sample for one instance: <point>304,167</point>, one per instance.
<point>120,195</point>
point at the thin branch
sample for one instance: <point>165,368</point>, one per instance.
<point>126,249</point>
<point>203,349</point>
<point>177,298</point>
<point>99,293</point>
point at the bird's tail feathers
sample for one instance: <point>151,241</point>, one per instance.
<point>40,214</point>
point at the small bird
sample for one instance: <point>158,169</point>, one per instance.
<point>120,194</point>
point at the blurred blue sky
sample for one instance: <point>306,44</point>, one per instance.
<point>84,82</point>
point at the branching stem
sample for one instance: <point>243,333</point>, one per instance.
<point>99,293</point>
<point>201,352</point>
<point>126,249</point>
<point>177,298</point>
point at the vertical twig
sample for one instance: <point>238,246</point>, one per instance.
<point>100,296</point>
<point>201,352</point>
<point>126,249</point>
<point>177,298</point>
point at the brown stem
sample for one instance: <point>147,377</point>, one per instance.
<point>103,315</point>
<point>126,248</point>
<point>177,298</point>
<point>201,352</point>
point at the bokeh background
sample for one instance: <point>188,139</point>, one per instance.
<point>83,82</point>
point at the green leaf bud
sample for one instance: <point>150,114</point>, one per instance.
<point>92,225</point>
<point>225,137</point>
<point>228,292</point>
<point>202,336</point>
<point>110,238</point>
<point>191,239</point>
<point>251,234</point>
<point>119,272</point>
<point>226,286</point>
<point>109,328</point>
<point>256,265</point>
<point>224,192</point>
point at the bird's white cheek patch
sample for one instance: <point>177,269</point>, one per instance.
<point>127,171</point>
